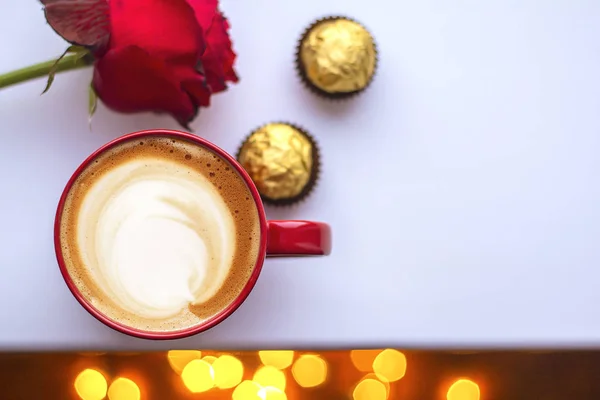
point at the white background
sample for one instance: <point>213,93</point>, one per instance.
<point>462,188</point>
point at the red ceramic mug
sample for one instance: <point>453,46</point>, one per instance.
<point>277,238</point>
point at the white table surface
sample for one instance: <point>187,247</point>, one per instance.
<point>463,187</point>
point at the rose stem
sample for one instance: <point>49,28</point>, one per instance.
<point>67,63</point>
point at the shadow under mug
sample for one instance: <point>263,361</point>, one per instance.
<point>277,238</point>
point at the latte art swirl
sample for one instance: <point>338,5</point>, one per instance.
<point>159,234</point>
<point>161,241</point>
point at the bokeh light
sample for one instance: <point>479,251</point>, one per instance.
<point>279,359</point>
<point>375,377</point>
<point>270,376</point>
<point>198,376</point>
<point>463,389</point>
<point>228,371</point>
<point>370,389</point>
<point>91,385</point>
<point>363,359</point>
<point>309,370</point>
<point>209,359</point>
<point>178,359</point>
<point>247,390</point>
<point>271,393</point>
<point>225,375</point>
<point>124,389</point>
<point>390,365</point>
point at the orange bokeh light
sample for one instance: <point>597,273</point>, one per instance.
<point>463,389</point>
<point>363,359</point>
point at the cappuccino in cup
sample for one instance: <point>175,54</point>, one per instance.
<point>159,234</point>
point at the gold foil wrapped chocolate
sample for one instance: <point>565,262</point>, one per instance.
<point>337,57</point>
<point>282,160</point>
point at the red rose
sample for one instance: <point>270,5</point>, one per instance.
<point>150,55</point>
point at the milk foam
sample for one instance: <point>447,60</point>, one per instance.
<point>154,239</point>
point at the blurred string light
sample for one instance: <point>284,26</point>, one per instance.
<point>178,359</point>
<point>251,390</point>
<point>247,390</point>
<point>198,376</point>
<point>270,376</point>
<point>90,385</point>
<point>209,359</point>
<point>363,359</point>
<point>370,389</point>
<point>228,371</point>
<point>279,359</point>
<point>124,389</point>
<point>271,393</point>
<point>463,389</point>
<point>375,377</point>
<point>309,370</point>
<point>390,365</point>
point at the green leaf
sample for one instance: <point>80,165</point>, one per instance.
<point>79,52</point>
<point>92,103</point>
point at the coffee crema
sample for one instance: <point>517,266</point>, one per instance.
<point>159,234</point>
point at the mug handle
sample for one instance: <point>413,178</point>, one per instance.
<point>298,238</point>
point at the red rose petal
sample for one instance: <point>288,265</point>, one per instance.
<point>163,28</point>
<point>198,90</point>
<point>218,58</point>
<point>205,11</point>
<point>130,80</point>
<point>81,22</point>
